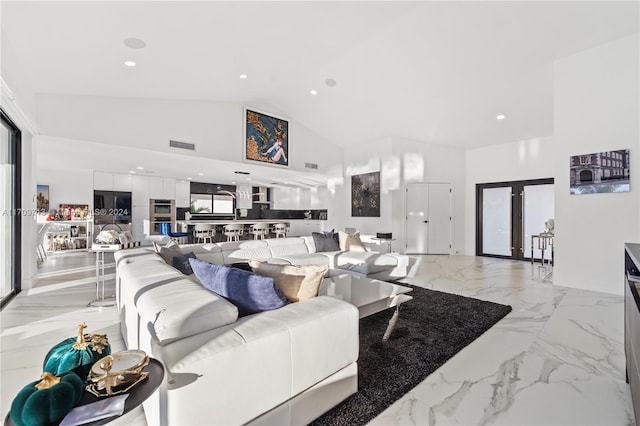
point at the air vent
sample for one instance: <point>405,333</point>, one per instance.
<point>311,166</point>
<point>182,145</point>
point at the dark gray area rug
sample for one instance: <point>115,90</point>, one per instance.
<point>431,328</point>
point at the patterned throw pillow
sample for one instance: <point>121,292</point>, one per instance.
<point>251,293</point>
<point>298,283</point>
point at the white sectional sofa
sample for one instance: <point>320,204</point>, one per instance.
<point>273,367</point>
<point>302,251</point>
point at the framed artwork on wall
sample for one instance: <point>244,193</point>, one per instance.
<point>266,138</point>
<point>42,199</point>
<point>365,195</point>
<point>599,172</point>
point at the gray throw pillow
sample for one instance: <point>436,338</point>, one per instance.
<point>168,252</point>
<point>181,263</point>
<point>325,242</point>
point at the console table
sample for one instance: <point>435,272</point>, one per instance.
<point>632,322</point>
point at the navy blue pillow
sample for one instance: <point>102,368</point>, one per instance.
<point>249,292</point>
<point>325,242</point>
<point>181,263</point>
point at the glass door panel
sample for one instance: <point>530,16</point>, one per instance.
<point>496,221</point>
<point>538,207</point>
<point>6,176</point>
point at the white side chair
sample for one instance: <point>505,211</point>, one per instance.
<point>280,230</point>
<point>203,232</point>
<point>259,231</point>
<point>233,231</point>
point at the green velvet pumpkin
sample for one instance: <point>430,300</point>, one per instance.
<point>83,350</point>
<point>46,401</point>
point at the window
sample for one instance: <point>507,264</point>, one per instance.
<point>10,219</point>
<point>223,204</point>
<point>208,203</point>
<point>201,203</point>
<point>585,159</point>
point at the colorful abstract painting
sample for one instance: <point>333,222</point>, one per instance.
<point>266,138</point>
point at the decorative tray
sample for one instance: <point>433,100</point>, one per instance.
<point>117,373</point>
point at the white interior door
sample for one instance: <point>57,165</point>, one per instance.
<point>417,218</point>
<point>428,218</point>
<point>439,234</point>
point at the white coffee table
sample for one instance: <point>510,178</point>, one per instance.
<point>369,296</point>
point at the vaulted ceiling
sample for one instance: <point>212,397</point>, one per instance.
<point>437,72</point>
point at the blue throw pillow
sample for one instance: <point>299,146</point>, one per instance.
<point>249,292</point>
<point>181,263</point>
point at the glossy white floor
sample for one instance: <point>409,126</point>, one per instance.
<point>557,359</point>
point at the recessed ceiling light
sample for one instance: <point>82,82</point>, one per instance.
<point>189,178</point>
<point>243,76</point>
<point>330,82</point>
<point>133,172</point>
<point>201,174</point>
<point>233,182</point>
<point>500,117</point>
<point>134,43</point>
<point>140,168</point>
<point>130,63</point>
<point>313,92</point>
<point>248,178</point>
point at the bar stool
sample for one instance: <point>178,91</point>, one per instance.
<point>259,231</point>
<point>233,231</point>
<point>280,230</point>
<point>204,232</point>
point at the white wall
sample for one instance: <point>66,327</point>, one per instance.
<point>70,186</point>
<point>523,160</point>
<point>596,109</point>
<point>400,161</point>
<point>18,101</point>
<point>370,157</point>
<point>431,163</point>
<point>216,128</point>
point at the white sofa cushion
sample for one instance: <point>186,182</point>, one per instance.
<point>305,259</point>
<point>183,308</point>
<point>282,247</point>
<point>235,251</point>
<point>258,362</point>
<point>365,262</point>
<point>211,253</point>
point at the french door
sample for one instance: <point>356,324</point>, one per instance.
<point>509,213</point>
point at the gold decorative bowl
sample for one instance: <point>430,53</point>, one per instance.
<point>117,373</point>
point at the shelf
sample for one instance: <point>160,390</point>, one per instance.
<point>62,239</point>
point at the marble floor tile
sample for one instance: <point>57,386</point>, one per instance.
<point>556,359</point>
